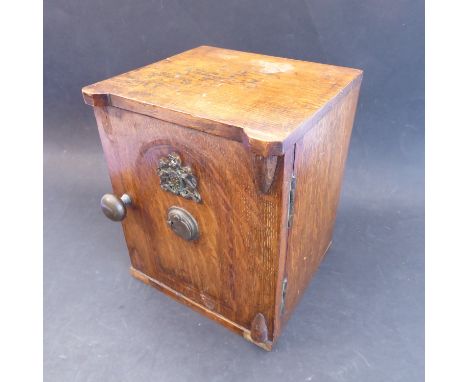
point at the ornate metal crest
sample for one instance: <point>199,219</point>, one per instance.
<point>178,179</point>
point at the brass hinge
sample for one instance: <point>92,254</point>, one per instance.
<point>292,192</point>
<point>283,294</point>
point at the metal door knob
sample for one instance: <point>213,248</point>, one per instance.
<point>115,208</point>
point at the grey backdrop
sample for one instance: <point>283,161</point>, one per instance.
<point>362,318</point>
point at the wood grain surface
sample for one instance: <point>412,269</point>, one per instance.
<point>265,102</point>
<point>232,268</point>
<point>245,124</point>
<point>319,164</point>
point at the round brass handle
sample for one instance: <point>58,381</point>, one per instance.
<point>115,208</point>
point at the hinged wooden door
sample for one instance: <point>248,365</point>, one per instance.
<point>232,268</point>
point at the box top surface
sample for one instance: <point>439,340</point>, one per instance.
<point>263,101</point>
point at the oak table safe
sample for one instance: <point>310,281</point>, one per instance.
<point>226,170</point>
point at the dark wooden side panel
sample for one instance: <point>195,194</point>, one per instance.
<point>232,269</point>
<point>319,163</point>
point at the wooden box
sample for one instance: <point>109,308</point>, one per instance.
<point>226,170</point>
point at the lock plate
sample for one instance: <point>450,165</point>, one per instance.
<point>182,223</point>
